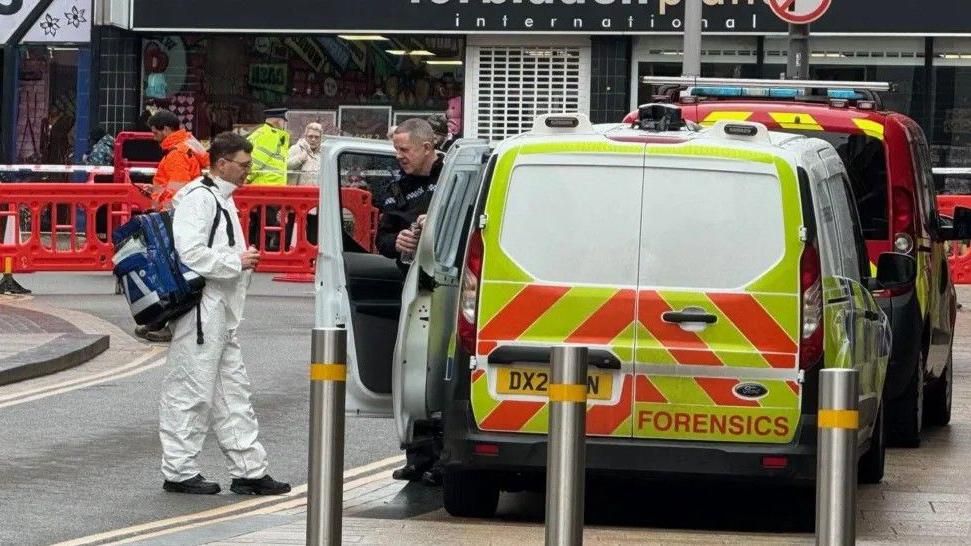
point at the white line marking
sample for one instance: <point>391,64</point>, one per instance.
<point>224,513</point>
<point>288,505</point>
<point>134,367</point>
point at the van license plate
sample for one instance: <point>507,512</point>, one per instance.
<point>536,381</point>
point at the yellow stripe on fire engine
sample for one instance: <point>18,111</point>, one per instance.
<point>870,128</point>
<point>715,117</point>
<point>789,120</point>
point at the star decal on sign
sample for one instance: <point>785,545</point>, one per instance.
<point>75,17</point>
<point>50,25</point>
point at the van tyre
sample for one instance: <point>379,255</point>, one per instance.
<point>939,396</point>
<point>470,494</point>
<point>870,469</point>
<point>906,414</point>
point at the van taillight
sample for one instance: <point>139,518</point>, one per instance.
<point>811,289</point>
<point>469,299</point>
<point>903,220</point>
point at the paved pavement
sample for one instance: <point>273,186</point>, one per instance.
<point>925,498</point>
<point>34,343</point>
<point>79,449</point>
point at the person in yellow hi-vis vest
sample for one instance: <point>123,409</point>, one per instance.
<point>271,144</point>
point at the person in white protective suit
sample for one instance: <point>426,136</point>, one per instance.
<point>206,383</point>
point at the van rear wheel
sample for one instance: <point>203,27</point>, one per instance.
<point>870,469</point>
<point>470,494</point>
<point>905,415</point>
<point>939,396</point>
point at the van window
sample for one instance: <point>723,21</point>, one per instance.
<point>831,257</point>
<point>923,177</point>
<point>575,224</point>
<point>372,174</point>
<point>846,227</point>
<point>710,229</point>
<point>865,160</point>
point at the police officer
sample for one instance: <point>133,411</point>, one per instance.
<point>271,144</point>
<point>403,203</point>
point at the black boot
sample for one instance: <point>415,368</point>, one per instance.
<point>260,486</point>
<point>409,472</point>
<point>196,485</point>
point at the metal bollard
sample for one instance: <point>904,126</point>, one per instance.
<point>325,487</point>
<point>839,421</point>
<point>566,456</point>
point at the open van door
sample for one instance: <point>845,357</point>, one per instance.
<point>430,296</point>
<point>356,288</point>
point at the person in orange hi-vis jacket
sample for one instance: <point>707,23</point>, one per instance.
<point>184,160</point>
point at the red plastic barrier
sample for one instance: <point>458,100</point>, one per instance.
<point>284,247</point>
<point>366,216</point>
<point>67,226</point>
<point>44,228</point>
<point>959,252</point>
<point>135,150</point>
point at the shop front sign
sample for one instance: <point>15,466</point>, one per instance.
<point>13,13</point>
<point>539,16</point>
<point>271,77</point>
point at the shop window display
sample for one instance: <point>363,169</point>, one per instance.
<point>220,83</point>
<point>46,106</point>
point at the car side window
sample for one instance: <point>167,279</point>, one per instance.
<point>923,176</point>
<point>862,253</point>
<point>847,226</point>
<point>829,247</point>
<point>928,190</point>
<point>451,213</point>
<point>366,179</point>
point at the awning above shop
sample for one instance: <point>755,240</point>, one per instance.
<point>916,17</point>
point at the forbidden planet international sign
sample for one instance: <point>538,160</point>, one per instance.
<point>540,16</point>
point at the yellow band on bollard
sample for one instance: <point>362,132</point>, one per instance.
<point>328,372</point>
<point>846,419</point>
<point>568,393</point>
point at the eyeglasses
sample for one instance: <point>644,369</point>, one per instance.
<point>243,165</point>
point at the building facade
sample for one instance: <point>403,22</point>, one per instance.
<point>359,66</point>
<point>47,83</point>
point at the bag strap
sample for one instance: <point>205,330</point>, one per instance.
<point>220,211</point>
<point>208,185</point>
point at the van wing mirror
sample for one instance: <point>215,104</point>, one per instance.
<point>959,228</point>
<point>895,270</point>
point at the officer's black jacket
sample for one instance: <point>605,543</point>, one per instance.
<point>405,199</point>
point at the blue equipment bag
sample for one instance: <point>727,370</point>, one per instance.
<point>159,288</point>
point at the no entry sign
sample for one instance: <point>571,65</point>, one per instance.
<point>799,12</point>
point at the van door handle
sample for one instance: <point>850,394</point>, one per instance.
<point>871,315</point>
<point>689,315</point>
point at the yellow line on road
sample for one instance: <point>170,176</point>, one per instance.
<point>146,362</point>
<point>224,513</point>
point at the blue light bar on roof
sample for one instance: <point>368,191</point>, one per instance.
<point>847,94</point>
<point>773,92</point>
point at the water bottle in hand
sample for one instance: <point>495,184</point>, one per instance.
<point>408,257</point>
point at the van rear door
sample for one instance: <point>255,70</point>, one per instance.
<point>561,229</point>
<point>718,298</point>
